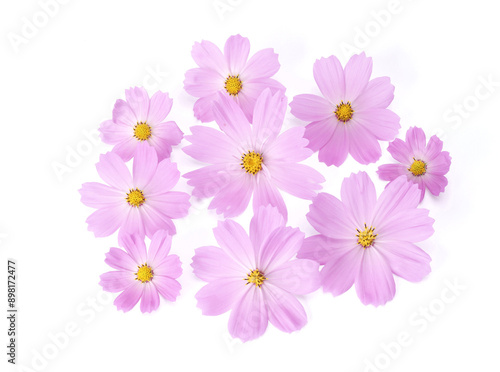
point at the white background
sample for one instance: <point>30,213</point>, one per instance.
<point>64,79</point>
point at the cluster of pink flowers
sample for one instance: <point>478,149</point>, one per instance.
<point>362,239</point>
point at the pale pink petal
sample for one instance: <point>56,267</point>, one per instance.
<point>116,281</point>
<point>281,245</point>
<point>145,164</point>
<point>135,246</point>
<point>383,124</point>
<point>389,172</point>
<point>210,180</point>
<point>252,89</point>
<point>266,193</point>
<point>435,183</point>
<point>284,310</point>
<point>126,149</point>
<point>138,100</point>
<point>321,248</point>
<point>433,148</point>
<point>400,151</point>
<point>211,263</point>
<point>207,55</point>
<point>113,133</point>
<point>266,219</point>
<point>120,260</point>
<point>299,180</point>
<point>328,216</point>
<point>440,165</point>
<point>114,172</point>
<point>168,288</point>
<point>339,273</point>
<point>413,225</point>
<point>161,146</point>
<point>309,107</point>
<point>169,132</point>
<point>159,247</point>
<point>231,119</point>
<point>236,52</point>
<point>221,295</point>
<point>97,195</point>
<point>123,114</point>
<point>129,297</point>
<point>329,76</point>
<point>289,147</point>
<point>159,107</point>
<point>202,82</point>
<point>170,267</point>
<point>105,221</point>
<point>374,281</point>
<point>299,277</point>
<point>134,223</point>
<point>233,199</point>
<point>150,299</point>
<point>415,138</point>
<point>264,63</point>
<point>406,259</point>
<point>363,146</point>
<point>248,319</point>
<point>378,93</point>
<point>336,147</point>
<point>357,74</point>
<point>210,146</point>
<point>359,197</point>
<point>203,108</point>
<point>154,220</point>
<point>268,114</point>
<point>234,241</point>
<point>165,178</point>
<point>173,204</point>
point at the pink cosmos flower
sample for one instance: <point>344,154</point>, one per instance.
<point>231,73</point>
<point>141,119</point>
<point>250,159</point>
<point>142,274</point>
<point>425,165</point>
<point>364,240</point>
<point>142,203</point>
<point>352,116</point>
<point>255,276</point>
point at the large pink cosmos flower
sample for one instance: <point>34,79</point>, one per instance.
<point>250,159</point>
<point>363,241</point>
<point>255,276</point>
<point>142,274</point>
<point>231,73</point>
<point>352,116</point>
<point>425,165</point>
<point>141,119</point>
<point>141,203</point>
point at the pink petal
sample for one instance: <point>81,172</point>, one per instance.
<point>129,297</point>
<point>328,216</point>
<point>168,288</point>
<point>221,295</point>
<point>363,146</point>
<point>169,267</point>
<point>116,281</point>
<point>415,138</point>
<point>202,82</point>
<point>281,245</point>
<point>173,204</point>
<point>318,134</point>
<point>135,246</point>
<point>268,114</point>
<point>169,132</point>
<point>289,147</point>
<point>138,100</point>
<point>145,164</point>
<point>113,133</point>
<point>400,151</point>
<point>339,273</point>
<point>329,76</point>
<point>159,247</point>
<point>113,171</point>
<point>297,276</point>
<point>97,195</point>
<point>336,147</point>
<point>406,260</point>
<point>359,197</point>
<point>383,124</point>
<point>234,241</point>
<point>284,310</point>
<point>203,108</point>
<point>231,119</point>
<point>207,55</point>
<point>252,89</point>
<point>264,63</point>
<point>374,281</point>
<point>413,225</point>
<point>159,107</point>
<point>120,260</point>
<point>154,220</point>
<point>248,319</point>
<point>233,199</point>
<point>210,180</point>
<point>164,179</point>
<point>389,172</point>
<point>105,221</point>
<point>440,165</point>
<point>357,74</point>
<point>378,93</point>
<point>266,193</point>
<point>123,114</point>
<point>435,183</point>
<point>211,263</point>
<point>126,149</point>
<point>299,180</point>
<point>210,146</point>
<point>309,107</point>
<point>433,148</point>
<point>150,299</point>
<point>319,248</point>
<point>266,219</point>
<point>236,51</point>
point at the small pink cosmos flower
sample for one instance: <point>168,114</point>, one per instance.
<point>250,159</point>
<point>364,240</point>
<point>255,276</point>
<point>141,119</point>
<point>425,165</point>
<point>142,203</point>
<point>142,275</point>
<point>352,117</point>
<point>231,73</point>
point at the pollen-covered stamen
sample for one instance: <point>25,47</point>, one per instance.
<point>366,237</point>
<point>144,273</point>
<point>344,111</point>
<point>251,162</point>
<point>135,197</point>
<point>142,131</point>
<point>418,168</point>
<point>255,277</point>
<point>233,85</point>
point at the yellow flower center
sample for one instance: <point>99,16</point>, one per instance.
<point>142,131</point>
<point>233,85</point>
<point>344,111</point>
<point>144,274</point>
<point>418,168</point>
<point>252,162</point>
<point>255,277</point>
<point>135,198</point>
<point>366,237</point>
